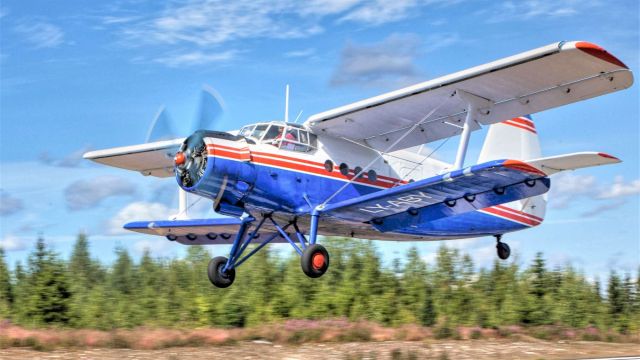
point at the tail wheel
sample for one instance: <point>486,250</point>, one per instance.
<point>503,250</point>
<point>314,261</point>
<point>217,276</point>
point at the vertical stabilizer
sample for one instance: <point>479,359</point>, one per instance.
<point>516,139</point>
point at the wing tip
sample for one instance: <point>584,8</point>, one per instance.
<point>599,52</point>
<point>607,156</point>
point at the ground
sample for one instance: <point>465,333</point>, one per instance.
<point>432,349</point>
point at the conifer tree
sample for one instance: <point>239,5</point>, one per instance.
<point>6,288</point>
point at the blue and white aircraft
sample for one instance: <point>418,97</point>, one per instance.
<point>361,171</point>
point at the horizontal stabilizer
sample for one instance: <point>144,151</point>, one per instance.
<point>554,164</point>
<point>476,187</point>
<point>155,159</point>
<point>199,231</point>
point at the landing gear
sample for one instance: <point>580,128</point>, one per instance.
<point>314,261</point>
<point>218,275</point>
<point>503,249</point>
<point>314,258</point>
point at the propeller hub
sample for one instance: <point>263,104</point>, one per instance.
<point>179,159</point>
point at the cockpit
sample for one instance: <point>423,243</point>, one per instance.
<point>282,135</point>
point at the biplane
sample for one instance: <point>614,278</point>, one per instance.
<point>361,170</point>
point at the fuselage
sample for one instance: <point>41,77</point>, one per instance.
<point>288,176</point>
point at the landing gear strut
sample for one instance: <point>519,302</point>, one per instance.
<point>314,258</point>
<point>503,249</point>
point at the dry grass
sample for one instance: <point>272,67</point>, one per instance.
<point>292,332</point>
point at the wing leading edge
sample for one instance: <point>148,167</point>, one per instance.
<point>155,159</point>
<point>527,83</point>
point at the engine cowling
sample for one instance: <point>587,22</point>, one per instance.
<point>198,171</point>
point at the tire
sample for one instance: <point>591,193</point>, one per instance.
<point>216,276</point>
<point>314,261</point>
<point>503,250</point>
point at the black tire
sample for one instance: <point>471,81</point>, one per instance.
<point>314,261</point>
<point>216,276</point>
<point>503,250</point>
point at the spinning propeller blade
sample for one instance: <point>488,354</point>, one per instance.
<point>161,127</point>
<point>211,109</point>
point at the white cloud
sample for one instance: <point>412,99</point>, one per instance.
<point>390,62</point>
<point>533,9</point>
<point>567,187</point>
<point>137,211</point>
<point>196,58</point>
<point>89,193</point>
<point>620,188</point>
<point>213,22</point>
<point>41,34</point>
<point>9,204</point>
<point>300,53</point>
<point>13,243</point>
<point>382,11</point>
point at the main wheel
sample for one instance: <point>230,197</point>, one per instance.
<point>503,250</point>
<point>314,261</point>
<point>217,277</point>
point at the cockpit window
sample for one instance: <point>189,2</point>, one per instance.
<point>273,134</point>
<point>291,137</point>
<point>259,131</point>
<point>246,131</point>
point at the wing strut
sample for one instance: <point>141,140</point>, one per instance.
<point>366,168</point>
<point>475,104</point>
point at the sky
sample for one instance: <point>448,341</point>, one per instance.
<point>79,75</point>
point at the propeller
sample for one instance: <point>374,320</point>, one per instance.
<point>192,151</point>
<point>209,113</point>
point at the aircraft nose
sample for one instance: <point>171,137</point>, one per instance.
<point>179,159</point>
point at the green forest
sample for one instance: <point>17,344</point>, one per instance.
<point>48,291</point>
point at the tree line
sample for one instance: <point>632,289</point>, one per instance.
<point>85,293</point>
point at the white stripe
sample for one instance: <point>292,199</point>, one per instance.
<point>506,218</point>
<point>517,212</point>
<point>304,172</point>
<point>509,122</point>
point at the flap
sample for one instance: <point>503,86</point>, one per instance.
<point>527,83</point>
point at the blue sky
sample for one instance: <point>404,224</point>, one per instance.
<point>78,75</point>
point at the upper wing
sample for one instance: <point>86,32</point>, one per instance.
<point>526,83</point>
<point>154,158</point>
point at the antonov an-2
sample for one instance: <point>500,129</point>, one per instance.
<point>354,171</point>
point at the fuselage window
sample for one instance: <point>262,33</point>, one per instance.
<point>344,169</point>
<point>357,171</point>
<point>328,165</point>
<point>373,177</point>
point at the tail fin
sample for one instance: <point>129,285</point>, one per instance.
<point>516,139</point>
